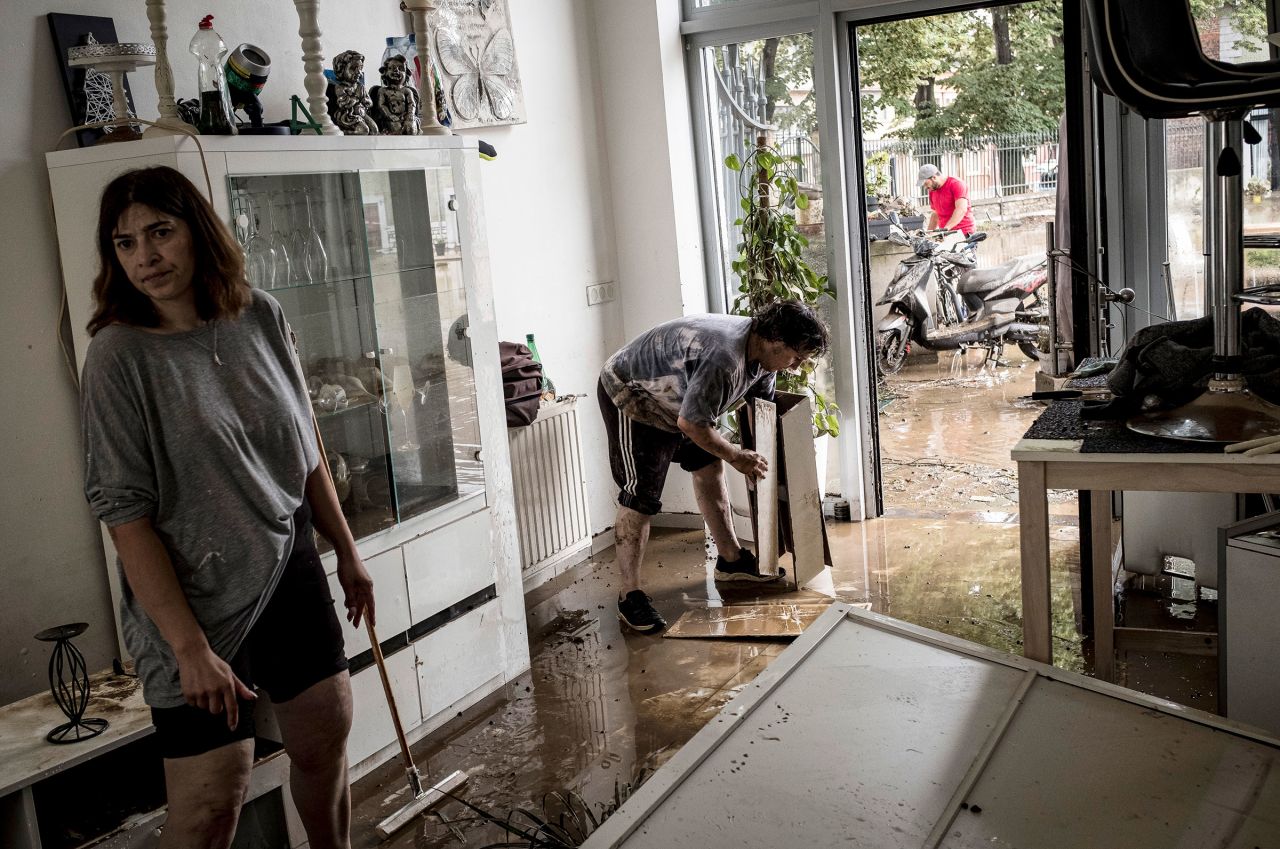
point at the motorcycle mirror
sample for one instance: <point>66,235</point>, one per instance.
<point>976,237</point>
<point>893,216</point>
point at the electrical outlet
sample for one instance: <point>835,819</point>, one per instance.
<point>600,293</point>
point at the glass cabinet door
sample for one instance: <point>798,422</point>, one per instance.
<point>420,310</point>
<point>367,267</point>
<point>303,236</point>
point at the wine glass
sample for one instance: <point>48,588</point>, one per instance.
<point>317,260</point>
<point>402,390</point>
<point>298,238</point>
<point>281,266</point>
<point>258,256</point>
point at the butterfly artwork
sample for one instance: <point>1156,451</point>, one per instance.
<point>485,88</point>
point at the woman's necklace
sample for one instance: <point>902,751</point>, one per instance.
<point>217,361</point>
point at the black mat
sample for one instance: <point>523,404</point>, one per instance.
<point>1061,420</point>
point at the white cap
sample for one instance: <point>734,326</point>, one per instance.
<point>927,171</point>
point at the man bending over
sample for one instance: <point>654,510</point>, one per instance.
<point>661,397</point>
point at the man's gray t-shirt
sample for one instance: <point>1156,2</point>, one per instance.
<point>216,455</point>
<point>693,368</point>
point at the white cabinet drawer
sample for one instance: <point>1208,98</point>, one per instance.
<point>448,565</point>
<point>371,727</point>
<point>458,658</point>
<point>391,601</point>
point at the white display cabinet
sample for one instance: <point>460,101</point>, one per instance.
<point>386,284</point>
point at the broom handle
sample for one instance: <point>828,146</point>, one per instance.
<point>391,699</point>
<point>368,623</point>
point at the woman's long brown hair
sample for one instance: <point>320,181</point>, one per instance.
<point>221,290</point>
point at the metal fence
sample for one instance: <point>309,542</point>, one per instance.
<point>809,171</point>
<point>992,166</point>
<point>1184,146</point>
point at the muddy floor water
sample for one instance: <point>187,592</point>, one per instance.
<point>601,709</point>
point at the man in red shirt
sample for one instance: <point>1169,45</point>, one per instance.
<point>949,200</point>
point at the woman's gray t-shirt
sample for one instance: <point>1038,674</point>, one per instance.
<point>693,368</point>
<point>216,455</point>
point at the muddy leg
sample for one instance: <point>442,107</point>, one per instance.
<point>630,535</point>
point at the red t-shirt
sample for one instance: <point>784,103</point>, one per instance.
<point>943,202</point>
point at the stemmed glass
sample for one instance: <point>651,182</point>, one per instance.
<point>402,389</point>
<point>281,267</point>
<point>298,238</point>
<point>315,257</point>
<point>258,255</point>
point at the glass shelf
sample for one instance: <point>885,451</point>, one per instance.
<point>379,311</point>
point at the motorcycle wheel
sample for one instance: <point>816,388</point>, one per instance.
<point>1037,308</point>
<point>891,350</point>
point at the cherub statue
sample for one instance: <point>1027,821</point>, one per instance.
<point>396,104</point>
<point>348,103</point>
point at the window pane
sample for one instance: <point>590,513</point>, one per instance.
<point>761,98</point>
<point>1228,34</point>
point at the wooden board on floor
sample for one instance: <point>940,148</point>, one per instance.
<point>747,621</point>
<point>767,487</point>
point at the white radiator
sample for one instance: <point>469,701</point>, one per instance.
<point>550,492</point>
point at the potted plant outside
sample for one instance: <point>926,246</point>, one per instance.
<point>1256,189</point>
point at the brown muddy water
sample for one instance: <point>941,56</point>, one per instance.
<point>601,709</point>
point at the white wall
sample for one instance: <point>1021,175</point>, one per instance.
<point>553,195</point>
<point>650,144</point>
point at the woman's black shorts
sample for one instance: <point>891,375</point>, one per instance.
<point>296,642</point>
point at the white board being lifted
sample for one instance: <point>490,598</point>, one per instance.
<point>868,732</point>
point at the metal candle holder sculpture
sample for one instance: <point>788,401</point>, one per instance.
<point>69,682</point>
<point>115,60</point>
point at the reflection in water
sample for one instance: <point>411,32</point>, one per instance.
<point>946,554</point>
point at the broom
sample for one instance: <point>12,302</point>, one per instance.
<point>423,797</point>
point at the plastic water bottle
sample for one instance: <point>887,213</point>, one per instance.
<point>403,45</point>
<point>215,98</point>
<point>548,388</point>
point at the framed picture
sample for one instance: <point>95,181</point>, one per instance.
<point>88,92</point>
<point>475,54</point>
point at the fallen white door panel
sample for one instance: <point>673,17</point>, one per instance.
<point>868,732</point>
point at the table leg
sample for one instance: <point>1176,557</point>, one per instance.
<point>1033,533</point>
<point>1104,617</point>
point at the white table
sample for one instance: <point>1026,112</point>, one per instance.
<point>1045,464</point>
<point>868,732</point>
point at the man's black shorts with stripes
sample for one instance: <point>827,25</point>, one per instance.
<point>639,456</point>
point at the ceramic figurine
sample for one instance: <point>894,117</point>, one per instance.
<point>348,102</point>
<point>395,103</point>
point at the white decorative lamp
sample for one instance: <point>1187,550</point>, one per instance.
<point>168,124</point>
<point>313,62</point>
<point>431,125</point>
<point>115,60</point>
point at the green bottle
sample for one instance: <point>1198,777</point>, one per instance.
<point>548,388</point>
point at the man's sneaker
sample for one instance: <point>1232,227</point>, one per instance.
<point>638,612</point>
<point>745,568</point>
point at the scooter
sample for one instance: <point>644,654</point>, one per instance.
<point>939,300</point>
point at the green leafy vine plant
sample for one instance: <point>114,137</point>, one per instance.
<point>770,265</point>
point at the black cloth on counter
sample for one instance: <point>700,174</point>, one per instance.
<point>1167,365</point>
<point>1063,420</point>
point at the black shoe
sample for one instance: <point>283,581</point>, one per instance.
<point>745,568</point>
<point>639,614</point>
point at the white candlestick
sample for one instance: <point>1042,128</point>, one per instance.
<point>313,62</point>
<point>169,122</point>
<point>431,125</point>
